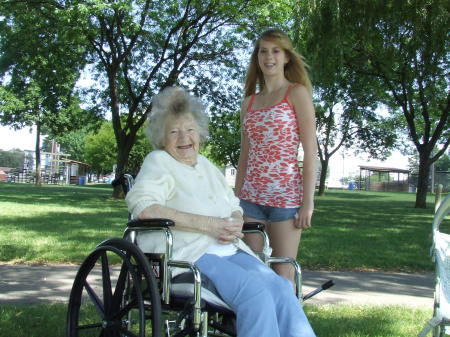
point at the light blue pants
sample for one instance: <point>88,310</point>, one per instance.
<point>264,302</point>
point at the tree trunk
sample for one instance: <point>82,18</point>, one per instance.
<point>38,179</point>
<point>323,176</point>
<point>422,182</point>
<point>124,148</point>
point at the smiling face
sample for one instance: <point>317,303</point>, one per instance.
<point>271,58</point>
<point>182,140</point>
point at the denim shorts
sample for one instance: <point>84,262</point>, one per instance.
<point>267,213</point>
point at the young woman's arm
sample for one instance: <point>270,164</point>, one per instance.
<point>302,101</point>
<point>242,164</point>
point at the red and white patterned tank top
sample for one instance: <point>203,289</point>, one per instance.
<point>273,176</point>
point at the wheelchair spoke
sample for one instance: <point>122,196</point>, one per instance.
<point>89,326</point>
<point>95,299</point>
<point>124,310</point>
<point>106,277</point>
<point>120,287</point>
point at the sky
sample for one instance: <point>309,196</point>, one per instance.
<point>340,165</point>
<point>21,139</point>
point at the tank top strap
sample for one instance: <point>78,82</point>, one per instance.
<point>288,90</point>
<point>250,102</point>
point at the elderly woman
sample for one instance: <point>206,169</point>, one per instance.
<point>178,183</point>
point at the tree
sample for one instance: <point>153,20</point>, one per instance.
<point>73,144</point>
<point>344,123</point>
<point>139,47</point>
<point>38,73</point>
<point>13,159</point>
<point>401,49</point>
<point>100,151</point>
<point>404,46</point>
<point>346,112</point>
<point>225,135</point>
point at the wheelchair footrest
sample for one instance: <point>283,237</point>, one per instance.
<point>324,286</point>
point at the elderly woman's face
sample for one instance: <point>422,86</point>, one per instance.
<point>182,140</point>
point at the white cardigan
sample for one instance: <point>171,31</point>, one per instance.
<point>201,189</point>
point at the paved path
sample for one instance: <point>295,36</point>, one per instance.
<point>28,284</point>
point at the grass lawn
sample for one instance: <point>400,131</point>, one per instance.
<point>351,229</point>
<point>368,230</point>
<point>54,224</point>
<point>328,321</point>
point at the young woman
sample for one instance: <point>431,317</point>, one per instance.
<point>275,121</point>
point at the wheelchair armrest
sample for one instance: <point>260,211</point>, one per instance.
<point>297,272</point>
<point>253,226</point>
<point>150,223</point>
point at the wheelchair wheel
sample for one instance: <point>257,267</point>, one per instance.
<point>114,294</point>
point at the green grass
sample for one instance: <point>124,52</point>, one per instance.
<point>54,224</point>
<point>368,230</point>
<point>328,321</point>
<point>367,321</point>
<point>351,229</point>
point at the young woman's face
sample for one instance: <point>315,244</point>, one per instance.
<point>271,58</point>
<point>182,139</point>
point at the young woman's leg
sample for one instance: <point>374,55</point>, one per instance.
<point>256,315</point>
<point>284,240</point>
<point>254,240</point>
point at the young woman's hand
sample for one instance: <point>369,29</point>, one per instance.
<point>304,215</point>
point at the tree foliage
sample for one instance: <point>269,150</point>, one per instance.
<point>138,47</point>
<point>225,135</point>
<point>38,75</point>
<point>12,159</point>
<point>407,52</point>
<point>100,150</point>
<point>400,49</point>
<point>134,48</point>
<point>347,113</point>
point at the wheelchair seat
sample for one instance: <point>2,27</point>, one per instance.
<point>183,289</point>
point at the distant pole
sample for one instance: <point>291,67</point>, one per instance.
<point>437,197</point>
<point>432,177</point>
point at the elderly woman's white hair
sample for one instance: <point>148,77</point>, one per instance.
<point>174,102</point>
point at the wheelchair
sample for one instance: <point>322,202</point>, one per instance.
<point>121,291</point>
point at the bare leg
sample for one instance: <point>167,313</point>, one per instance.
<point>254,241</point>
<point>284,240</point>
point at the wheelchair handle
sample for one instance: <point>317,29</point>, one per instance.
<point>253,226</point>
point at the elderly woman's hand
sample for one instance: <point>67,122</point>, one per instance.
<point>228,230</point>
